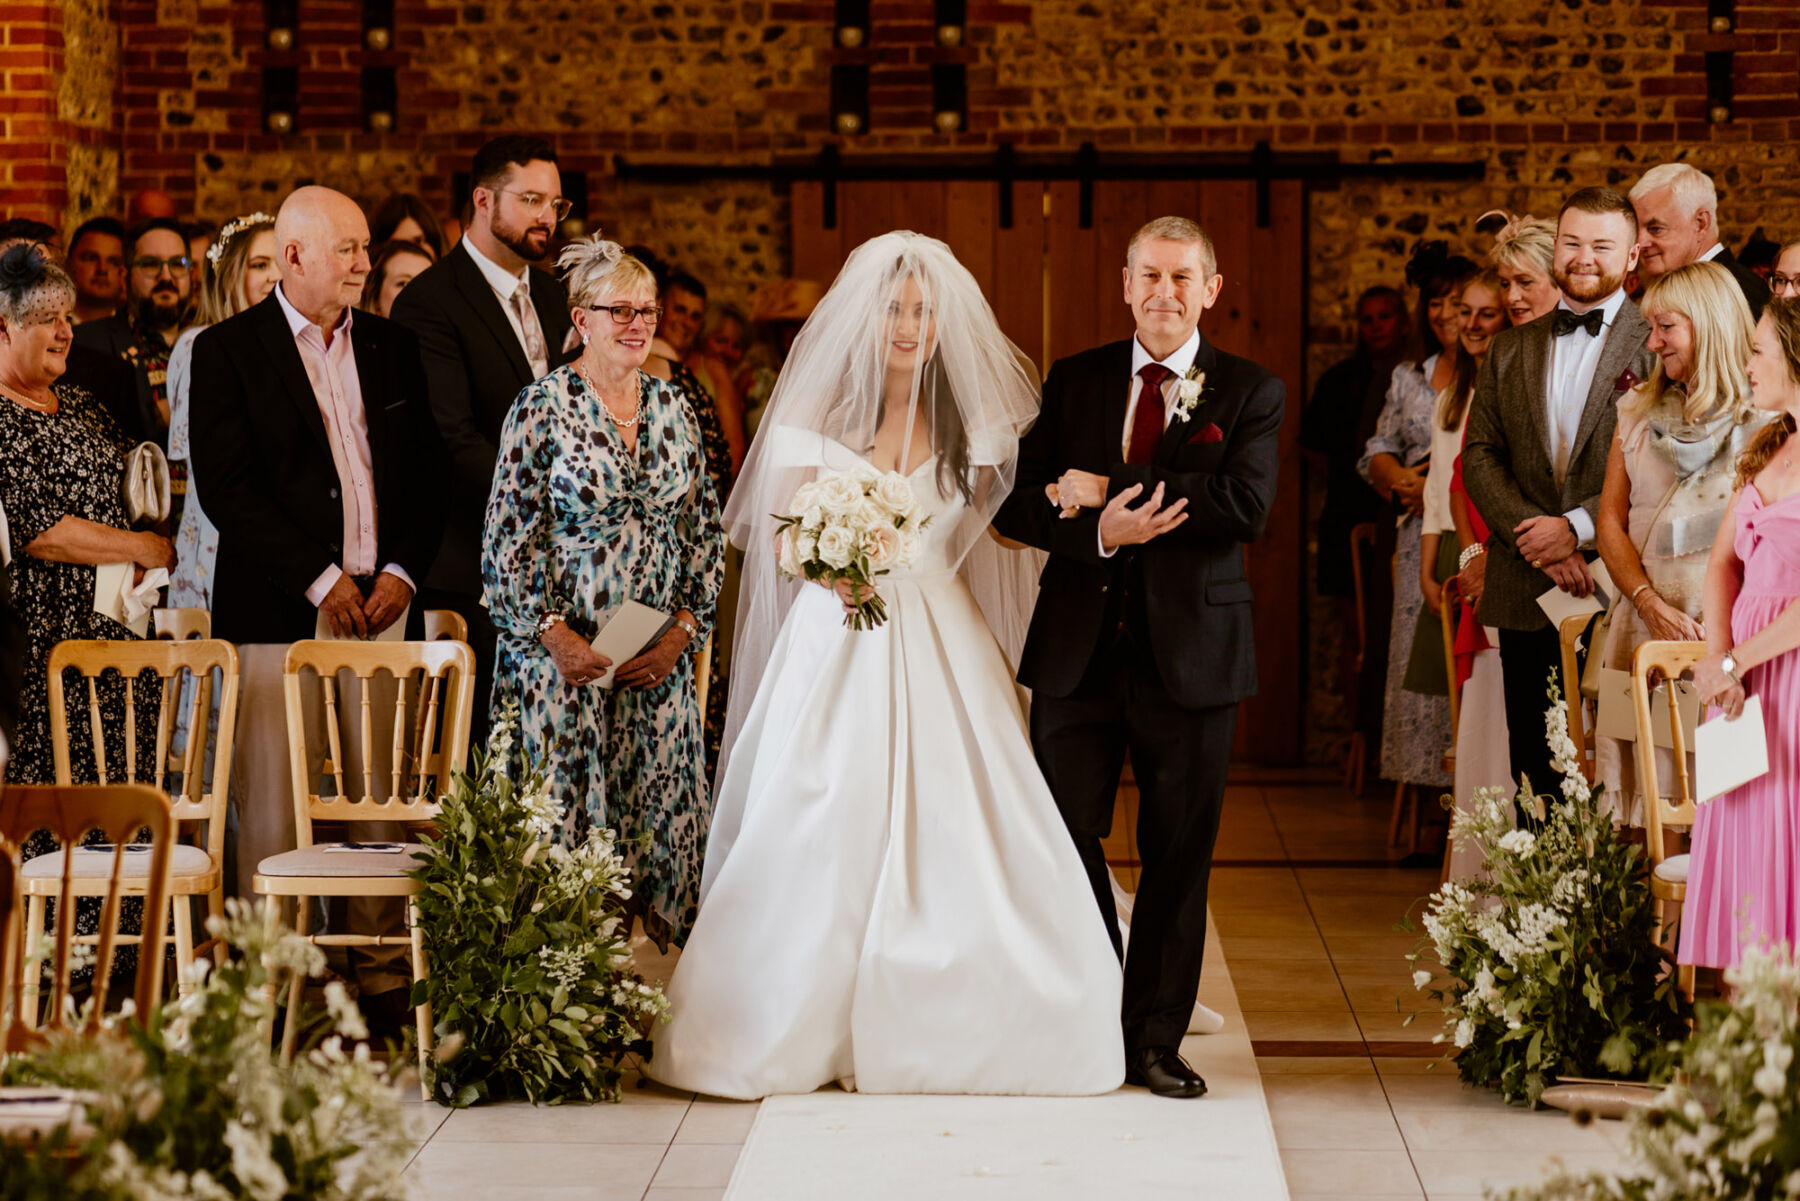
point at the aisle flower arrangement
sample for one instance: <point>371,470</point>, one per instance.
<point>526,941</point>
<point>1729,1127</point>
<point>194,1105</point>
<point>1545,963</point>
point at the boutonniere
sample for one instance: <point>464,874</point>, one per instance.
<point>1627,381</point>
<point>1189,392</point>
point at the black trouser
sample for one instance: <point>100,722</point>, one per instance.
<point>1527,657</point>
<point>482,640</point>
<point>1179,757</point>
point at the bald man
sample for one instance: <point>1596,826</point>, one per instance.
<point>315,449</point>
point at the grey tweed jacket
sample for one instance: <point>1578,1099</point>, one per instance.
<point>1509,466</point>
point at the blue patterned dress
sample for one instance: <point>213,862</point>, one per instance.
<point>576,525</point>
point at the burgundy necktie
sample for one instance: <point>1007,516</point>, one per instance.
<point>1147,420</point>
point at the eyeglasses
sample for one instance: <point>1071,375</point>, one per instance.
<point>537,202</point>
<point>150,265</point>
<point>623,313</point>
<point>1784,285</point>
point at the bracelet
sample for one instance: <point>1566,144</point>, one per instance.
<point>693,631</point>
<point>1634,592</point>
<point>548,620</point>
<point>1470,553</point>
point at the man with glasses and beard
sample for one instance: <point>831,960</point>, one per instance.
<point>489,323</point>
<point>157,289</point>
<point>1540,431</point>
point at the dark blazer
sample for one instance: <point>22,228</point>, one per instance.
<point>474,368</point>
<point>262,459</point>
<point>111,337</point>
<point>1509,467</point>
<point>1195,598</point>
<point>1756,288</point>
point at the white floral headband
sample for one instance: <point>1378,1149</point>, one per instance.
<point>233,228</point>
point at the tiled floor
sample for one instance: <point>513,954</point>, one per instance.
<point>1305,902</point>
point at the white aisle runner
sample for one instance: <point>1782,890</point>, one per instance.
<point>836,1146</point>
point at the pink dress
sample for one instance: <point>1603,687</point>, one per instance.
<point>1744,877</point>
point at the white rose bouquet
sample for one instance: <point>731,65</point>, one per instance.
<point>851,525</point>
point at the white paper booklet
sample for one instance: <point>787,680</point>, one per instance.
<point>1730,753</point>
<point>394,633</point>
<point>129,604</point>
<point>626,633</point>
<point>1559,606</point>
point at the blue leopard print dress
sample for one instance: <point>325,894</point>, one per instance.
<point>577,525</point>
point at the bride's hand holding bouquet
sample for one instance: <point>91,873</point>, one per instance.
<point>845,529</point>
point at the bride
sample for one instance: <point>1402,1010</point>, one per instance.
<point>890,898</point>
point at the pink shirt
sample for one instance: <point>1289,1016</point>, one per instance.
<point>332,372</point>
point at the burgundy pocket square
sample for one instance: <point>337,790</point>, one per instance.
<point>1207,433</point>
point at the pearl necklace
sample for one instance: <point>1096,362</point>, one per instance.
<point>637,414</point>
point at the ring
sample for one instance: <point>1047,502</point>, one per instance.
<point>1537,564</point>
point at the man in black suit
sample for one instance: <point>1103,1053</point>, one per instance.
<point>1678,223</point>
<point>312,431</point>
<point>1151,465</point>
<point>488,324</point>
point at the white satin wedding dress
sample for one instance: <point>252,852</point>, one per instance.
<point>890,897</point>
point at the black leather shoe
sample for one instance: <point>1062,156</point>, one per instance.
<point>1164,1073</point>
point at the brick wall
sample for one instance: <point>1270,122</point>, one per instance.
<point>59,68</point>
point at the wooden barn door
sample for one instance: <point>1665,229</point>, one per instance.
<point>1057,288</point>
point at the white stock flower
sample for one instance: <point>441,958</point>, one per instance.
<point>346,1018</point>
<point>258,1174</point>
<point>1465,1032</point>
<point>837,546</point>
<point>1519,842</point>
<point>1421,979</point>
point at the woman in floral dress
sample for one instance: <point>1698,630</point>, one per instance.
<point>601,496</point>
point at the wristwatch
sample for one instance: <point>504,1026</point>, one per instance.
<point>1728,665</point>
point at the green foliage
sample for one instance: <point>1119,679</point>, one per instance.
<point>193,1104</point>
<point>526,940</point>
<point>1546,963</point>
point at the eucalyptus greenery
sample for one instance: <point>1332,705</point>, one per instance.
<point>526,939</point>
<point>193,1105</point>
<point>1545,962</point>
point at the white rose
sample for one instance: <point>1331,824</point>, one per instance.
<point>805,497</point>
<point>910,544</point>
<point>864,476</point>
<point>870,515</point>
<point>812,517</point>
<point>838,494</point>
<point>882,546</point>
<point>893,493</point>
<point>806,545</point>
<point>837,546</point>
<point>787,553</point>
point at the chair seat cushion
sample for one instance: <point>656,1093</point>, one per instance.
<point>92,864</point>
<point>1673,870</point>
<point>321,860</point>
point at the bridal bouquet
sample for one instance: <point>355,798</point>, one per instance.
<point>851,525</point>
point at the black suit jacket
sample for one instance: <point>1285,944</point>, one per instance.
<point>125,392</point>
<point>474,368</point>
<point>262,459</point>
<point>1756,288</point>
<point>1195,598</point>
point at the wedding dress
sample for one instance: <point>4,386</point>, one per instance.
<point>891,899</point>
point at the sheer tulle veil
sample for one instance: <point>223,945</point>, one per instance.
<point>970,387</point>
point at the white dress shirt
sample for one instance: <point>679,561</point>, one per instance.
<point>1573,360</point>
<point>505,285</point>
<point>1718,248</point>
<point>338,390</point>
<point>1178,363</point>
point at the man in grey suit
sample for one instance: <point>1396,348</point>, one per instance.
<point>1540,431</point>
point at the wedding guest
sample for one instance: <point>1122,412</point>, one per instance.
<point>638,522</point>
<point>62,463</point>
<point>157,290</point>
<point>1534,458</point>
<point>1742,889</point>
<point>1415,724</point>
<point>684,308</point>
<point>38,233</point>
<point>403,217</point>
<point>1669,481</point>
<point>315,449</point>
<point>239,272</point>
<point>667,361</point>
<point>1678,221</point>
<point>395,265</point>
<point>714,359</point>
<point>97,265</point>
<point>1784,281</point>
<point>489,321</point>
<point>200,236</point>
<point>1758,254</point>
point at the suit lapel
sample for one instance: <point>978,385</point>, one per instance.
<point>1534,381</point>
<point>1206,358</point>
<point>1623,341</point>
<point>278,340</point>
<point>371,381</point>
<point>1116,386</point>
<point>480,296</point>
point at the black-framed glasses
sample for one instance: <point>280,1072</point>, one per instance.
<point>537,202</point>
<point>151,265</point>
<point>623,313</point>
<point>1784,285</point>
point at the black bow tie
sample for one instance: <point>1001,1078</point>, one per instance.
<point>1566,322</point>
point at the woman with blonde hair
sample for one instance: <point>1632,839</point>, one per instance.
<point>1669,479</point>
<point>241,270</point>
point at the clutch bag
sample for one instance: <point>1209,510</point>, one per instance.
<point>146,485</point>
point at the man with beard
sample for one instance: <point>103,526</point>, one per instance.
<point>488,324</point>
<point>1540,431</point>
<point>1678,223</point>
<point>156,294</point>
